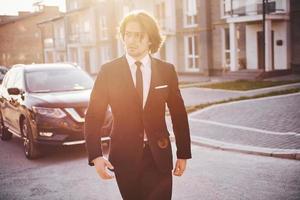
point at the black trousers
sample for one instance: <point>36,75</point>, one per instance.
<point>148,183</point>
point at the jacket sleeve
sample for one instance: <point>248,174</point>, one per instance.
<point>179,118</point>
<point>95,116</point>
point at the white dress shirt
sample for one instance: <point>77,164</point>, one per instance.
<point>146,73</point>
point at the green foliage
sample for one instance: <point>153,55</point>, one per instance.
<point>244,85</point>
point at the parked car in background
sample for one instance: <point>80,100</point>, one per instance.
<point>45,104</point>
<point>3,71</point>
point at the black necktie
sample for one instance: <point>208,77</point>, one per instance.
<point>139,80</point>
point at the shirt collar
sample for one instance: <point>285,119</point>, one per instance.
<point>131,61</point>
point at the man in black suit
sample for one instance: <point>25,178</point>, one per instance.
<point>137,88</point>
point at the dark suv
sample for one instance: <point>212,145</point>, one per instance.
<point>45,104</point>
<point>3,71</point>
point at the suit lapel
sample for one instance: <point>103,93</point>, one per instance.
<point>155,80</point>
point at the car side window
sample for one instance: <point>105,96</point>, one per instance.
<point>19,79</point>
<point>3,71</point>
<point>4,83</point>
<point>11,79</point>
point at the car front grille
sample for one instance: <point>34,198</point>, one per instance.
<point>81,111</point>
<point>76,113</point>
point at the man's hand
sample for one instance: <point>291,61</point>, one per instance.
<point>101,164</point>
<point>179,167</point>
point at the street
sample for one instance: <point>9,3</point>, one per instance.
<point>211,174</point>
<point>73,69</point>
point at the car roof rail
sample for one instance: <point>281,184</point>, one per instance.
<point>18,65</point>
<point>70,63</point>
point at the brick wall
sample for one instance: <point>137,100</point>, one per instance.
<point>20,40</point>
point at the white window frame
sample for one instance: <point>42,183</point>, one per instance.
<point>86,26</point>
<point>74,55</point>
<point>224,4</point>
<point>105,53</point>
<point>193,13</point>
<point>103,27</point>
<point>224,50</point>
<point>161,13</point>
<point>193,56</point>
<point>61,32</point>
<point>74,5</point>
<point>126,10</point>
<point>75,28</point>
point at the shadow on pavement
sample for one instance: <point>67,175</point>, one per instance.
<point>51,154</point>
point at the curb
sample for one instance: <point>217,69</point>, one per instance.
<point>196,112</point>
<point>271,152</point>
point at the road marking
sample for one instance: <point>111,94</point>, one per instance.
<point>243,127</point>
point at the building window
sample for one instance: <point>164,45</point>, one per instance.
<point>60,57</point>
<point>74,32</point>
<point>105,54</point>
<point>225,8</point>
<point>49,57</point>
<point>191,53</point>
<point>103,28</point>
<point>74,55</point>
<point>74,28</point>
<point>226,48</point>
<point>73,5</point>
<point>86,27</point>
<point>126,10</point>
<point>160,14</point>
<point>61,32</point>
<point>190,13</point>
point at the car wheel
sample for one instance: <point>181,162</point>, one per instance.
<point>31,149</point>
<point>5,134</point>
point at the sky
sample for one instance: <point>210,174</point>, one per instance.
<point>11,7</point>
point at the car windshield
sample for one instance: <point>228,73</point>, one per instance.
<point>58,80</point>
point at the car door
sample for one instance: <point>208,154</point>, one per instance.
<point>15,101</point>
<point>5,98</point>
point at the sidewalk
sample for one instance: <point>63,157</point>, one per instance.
<point>194,96</point>
<point>267,126</point>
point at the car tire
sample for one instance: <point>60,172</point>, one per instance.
<point>4,133</point>
<point>31,149</point>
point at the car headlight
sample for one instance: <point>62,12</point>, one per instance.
<point>49,112</point>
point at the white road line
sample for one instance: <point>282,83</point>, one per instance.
<point>243,127</point>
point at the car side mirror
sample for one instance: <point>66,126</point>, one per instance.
<point>14,91</point>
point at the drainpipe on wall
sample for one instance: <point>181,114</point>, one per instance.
<point>43,47</point>
<point>66,39</point>
<point>265,11</point>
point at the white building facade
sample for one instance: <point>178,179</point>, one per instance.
<point>248,14</point>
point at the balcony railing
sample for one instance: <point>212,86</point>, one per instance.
<point>81,38</point>
<point>74,38</point>
<point>48,43</point>
<point>60,42</point>
<point>86,37</point>
<point>253,7</point>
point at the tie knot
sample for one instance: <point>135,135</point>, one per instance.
<point>138,64</point>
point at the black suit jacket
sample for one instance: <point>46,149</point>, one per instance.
<point>114,87</point>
